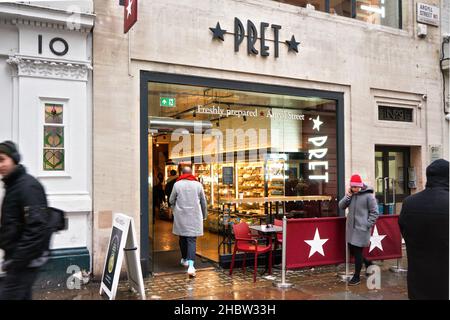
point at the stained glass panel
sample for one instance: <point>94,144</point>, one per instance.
<point>53,137</point>
<point>53,113</point>
<point>53,160</point>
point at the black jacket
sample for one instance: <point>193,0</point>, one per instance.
<point>24,234</point>
<point>424,225</point>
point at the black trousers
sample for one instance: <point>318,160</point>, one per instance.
<point>187,247</point>
<point>17,285</point>
<point>359,259</point>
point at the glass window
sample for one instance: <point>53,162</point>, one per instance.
<point>383,12</point>
<point>254,145</point>
<point>53,153</point>
<point>319,5</point>
<point>341,7</point>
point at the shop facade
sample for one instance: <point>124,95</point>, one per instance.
<point>46,104</point>
<point>265,100</point>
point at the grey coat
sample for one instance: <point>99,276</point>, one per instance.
<point>362,216</point>
<point>189,208</point>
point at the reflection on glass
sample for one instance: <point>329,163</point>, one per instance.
<point>382,12</point>
<point>396,171</point>
<point>379,172</point>
<point>253,146</point>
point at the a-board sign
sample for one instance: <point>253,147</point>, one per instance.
<point>122,243</point>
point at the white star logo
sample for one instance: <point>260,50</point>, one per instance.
<point>129,7</point>
<point>317,123</point>
<point>375,240</point>
<point>316,244</point>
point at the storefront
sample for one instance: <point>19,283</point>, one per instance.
<point>273,105</point>
<point>260,151</point>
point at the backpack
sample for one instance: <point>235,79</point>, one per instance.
<point>56,219</point>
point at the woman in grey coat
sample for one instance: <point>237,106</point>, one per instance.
<point>362,215</point>
<point>189,210</point>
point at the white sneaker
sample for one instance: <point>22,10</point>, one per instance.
<point>191,271</point>
<point>184,263</point>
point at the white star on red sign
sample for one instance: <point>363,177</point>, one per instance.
<point>129,8</point>
<point>316,244</point>
<point>375,240</point>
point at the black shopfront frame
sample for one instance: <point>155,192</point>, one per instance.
<point>149,76</point>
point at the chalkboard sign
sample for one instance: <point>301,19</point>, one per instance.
<point>122,245</point>
<point>112,257</point>
<point>227,175</point>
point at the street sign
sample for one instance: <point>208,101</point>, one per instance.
<point>167,102</point>
<point>428,14</point>
<point>122,242</point>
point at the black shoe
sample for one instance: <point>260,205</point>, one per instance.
<point>354,281</point>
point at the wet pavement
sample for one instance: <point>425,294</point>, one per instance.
<point>215,284</point>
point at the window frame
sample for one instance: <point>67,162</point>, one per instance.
<point>66,132</point>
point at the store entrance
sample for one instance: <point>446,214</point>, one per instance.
<point>391,173</point>
<point>165,248</point>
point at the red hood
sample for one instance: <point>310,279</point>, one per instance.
<point>187,176</point>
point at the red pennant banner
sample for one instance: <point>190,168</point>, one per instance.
<point>130,14</point>
<point>321,241</point>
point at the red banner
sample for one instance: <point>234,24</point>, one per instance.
<point>315,242</point>
<point>386,239</point>
<point>130,14</point>
<point>321,241</point>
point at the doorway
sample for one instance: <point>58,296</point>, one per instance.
<point>391,174</point>
<point>166,253</point>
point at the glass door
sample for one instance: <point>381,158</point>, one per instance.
<point>391,169</point>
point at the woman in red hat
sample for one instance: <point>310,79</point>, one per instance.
<point>362,215</point>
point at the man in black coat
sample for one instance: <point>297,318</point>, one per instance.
<point>24,233</point>
<point>424,225</point>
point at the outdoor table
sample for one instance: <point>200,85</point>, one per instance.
<point>267,230</point>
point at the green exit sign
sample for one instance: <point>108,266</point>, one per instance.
<point>167,102</point>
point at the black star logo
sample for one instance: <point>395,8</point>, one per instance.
<point>218,32</point>
<point>293,45</point>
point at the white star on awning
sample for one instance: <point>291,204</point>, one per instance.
<point>316,244</point>
<point>375,240</point>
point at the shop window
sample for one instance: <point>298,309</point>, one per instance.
<point>317,5</point>
<point>382,12</point>
<point>341,7</point>
<point>53,144</point>
<point>254,147</point>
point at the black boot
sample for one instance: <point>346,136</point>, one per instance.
<point>354,281</point>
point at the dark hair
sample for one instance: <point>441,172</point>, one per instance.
<point>173,172</point>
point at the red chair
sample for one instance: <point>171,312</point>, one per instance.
<point>247,243</point>
<point>279,236</point>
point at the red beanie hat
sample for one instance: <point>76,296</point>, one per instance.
<point>356,181</point>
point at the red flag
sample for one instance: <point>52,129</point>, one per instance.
<point>130,14</point>
<point>385,240</point>
<point>315,242</point>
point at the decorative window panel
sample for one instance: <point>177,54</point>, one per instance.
<point>387,113</point>
<point>54,150</point>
